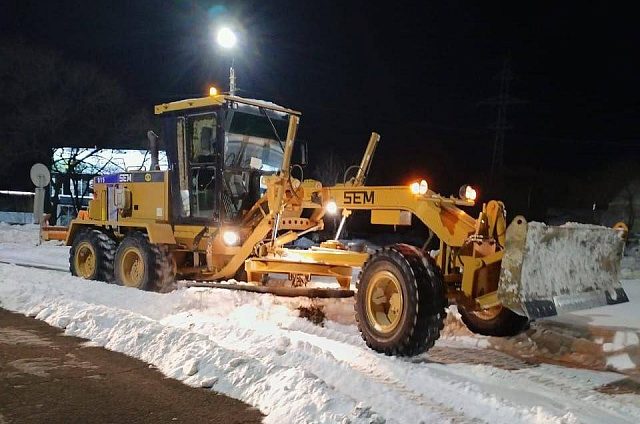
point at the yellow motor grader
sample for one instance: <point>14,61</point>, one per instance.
<point>228,206</point>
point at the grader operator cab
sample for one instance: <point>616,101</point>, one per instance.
<point>228,205</point>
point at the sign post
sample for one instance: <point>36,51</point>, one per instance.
<point>40,177</point>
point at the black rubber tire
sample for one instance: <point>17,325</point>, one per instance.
<point>505,323</point>
<point>104,248</point>
<point>424,303</point>
<point>159,273</point>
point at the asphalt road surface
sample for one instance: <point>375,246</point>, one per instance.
<point>46,376</point>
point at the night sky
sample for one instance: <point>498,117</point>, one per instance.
<point>418,73</point>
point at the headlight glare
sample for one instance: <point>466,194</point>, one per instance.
<point>468,193</point>
<point>424,187</point>
<point>230,238</point>
<point>331,207</point>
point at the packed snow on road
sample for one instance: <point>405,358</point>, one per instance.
<point>257,348</point>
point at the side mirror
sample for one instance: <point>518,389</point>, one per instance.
<point>304,153</point>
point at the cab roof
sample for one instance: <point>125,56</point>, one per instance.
<point>217,101</point>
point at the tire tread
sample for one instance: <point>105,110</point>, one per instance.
<point>105,248</point>
<point>427,296</point>
<point>161,276</point>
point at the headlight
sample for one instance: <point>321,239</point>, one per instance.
<point>468,193</point>
<point>419,187</point>
<point>230,238</point>
<point>423,187</point>
<point>331,207</point>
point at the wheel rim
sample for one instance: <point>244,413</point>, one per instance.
<point>384,301</point>
<point>488,314</point>
<point>132,267</point>
<point>85,260</point>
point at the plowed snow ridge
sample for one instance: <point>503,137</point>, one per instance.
<point>255,348</point>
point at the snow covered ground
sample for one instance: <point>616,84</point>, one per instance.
<point>623,315</point>
<point>256,348</point>
<point>18,245</point>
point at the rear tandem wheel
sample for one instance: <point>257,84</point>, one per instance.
<point>143,265</point>
<point>91,255</point>
<point>400,301</point>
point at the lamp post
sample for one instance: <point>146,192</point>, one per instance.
<point>227,40</point>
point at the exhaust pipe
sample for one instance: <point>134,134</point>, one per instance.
<point>153,148</point>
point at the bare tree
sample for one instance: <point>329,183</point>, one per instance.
<point>618,185</point>
<point>48,102</point>
<point>330,168</point>
<point>75,167</point>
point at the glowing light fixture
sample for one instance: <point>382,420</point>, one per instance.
<point>419,187</point>
<point>226,38</point>
<point>423,187</point>
<point>230,238</point>
<point>213,91</point>
<point>468,193</point>
<point>331,207</point>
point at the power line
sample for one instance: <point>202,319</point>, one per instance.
<point>502,102</point>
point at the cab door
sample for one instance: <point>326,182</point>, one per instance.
<point>199,168</point>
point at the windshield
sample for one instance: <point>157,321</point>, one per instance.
<point>251,142</point>
<point>251,150</point>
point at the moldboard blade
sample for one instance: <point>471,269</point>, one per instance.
<point>549,270</point>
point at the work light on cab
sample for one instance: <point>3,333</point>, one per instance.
<point>213,91</point>
<point>468,193</point>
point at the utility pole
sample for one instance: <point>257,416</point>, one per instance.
<point>502,101</point>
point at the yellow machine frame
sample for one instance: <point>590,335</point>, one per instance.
<point>468,244</point>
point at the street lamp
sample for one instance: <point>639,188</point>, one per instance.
<point>227,40</point>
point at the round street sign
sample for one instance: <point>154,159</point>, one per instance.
<point>40,175</point>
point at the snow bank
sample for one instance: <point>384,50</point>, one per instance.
<point>623,315</point>
<point>254,347</point>
<point>19,234</point>
<point>630,267</point>
<point>18,245</point>
<point>156,329</point>
<point>50,254</point>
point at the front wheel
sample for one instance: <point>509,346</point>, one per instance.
<point>497,321</point>
<point>400,301</point>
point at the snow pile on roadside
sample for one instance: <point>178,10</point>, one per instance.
<point>622,340</point>
<point>254,347</point>
<point>18,245</point>
<point>455,330</point>
<point>157,329</point>
<point>623,315</point>
<point>19,234</point>
<point>630,267</point>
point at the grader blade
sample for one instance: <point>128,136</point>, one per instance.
<point>550,270</point>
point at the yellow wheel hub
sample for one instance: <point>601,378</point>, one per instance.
<point>132,267</point>
<point>384,301</point>
<point>85,260</point>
